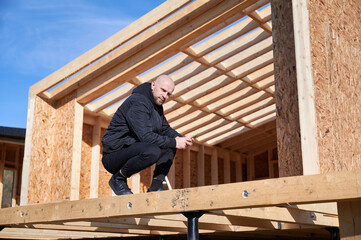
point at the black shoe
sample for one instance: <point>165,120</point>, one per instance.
<point>119,185</point>
<point>156,186</point>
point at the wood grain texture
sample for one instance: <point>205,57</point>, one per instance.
<point>288,124</point>
<point>336,47</point>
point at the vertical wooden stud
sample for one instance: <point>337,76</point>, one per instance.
<point>349,215</point>
<point>16,172</point>
<point>200,169</point>
<point>94,169</point>
<point>270,164</point>
<point>227,167</point>
<point>250,167</point>
<point>187,168</point>
<point>2,167</point>
<point>136,182</point>
<point>306,88</point>
<point>27,151</point>
<point>214,166</point>
<point>171,175</point>
<point>239,172</point>
<point>76,156</point>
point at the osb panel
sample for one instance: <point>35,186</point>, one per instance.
<point>41,158</point>
<point>104,176</point>
<point>51,152</point>
<point>86,157</point>
<point>63,147</point>
<point>288,126</point>
<point>336,47</point>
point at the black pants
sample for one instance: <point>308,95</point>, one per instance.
<point>138,156</point>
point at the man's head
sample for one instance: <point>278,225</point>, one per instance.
<point>162,88</point>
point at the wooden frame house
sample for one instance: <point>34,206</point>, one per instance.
<point>272,87</point>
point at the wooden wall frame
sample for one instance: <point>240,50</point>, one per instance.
<point>225,79</point>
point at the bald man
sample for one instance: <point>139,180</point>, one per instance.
<point>139,136</point>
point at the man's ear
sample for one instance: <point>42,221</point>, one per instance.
<point>152,85</point>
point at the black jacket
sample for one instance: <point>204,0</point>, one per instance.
<point>139,119</point>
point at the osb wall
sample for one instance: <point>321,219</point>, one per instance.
<point>335,35</point>
<point>51,151</point>
<point>104,175</point>
<point>86,157</point>
<point>288,124</point>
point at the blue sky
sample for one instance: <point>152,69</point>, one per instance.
<point>37,37</point>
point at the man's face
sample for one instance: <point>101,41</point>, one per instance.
<point>162,88</point>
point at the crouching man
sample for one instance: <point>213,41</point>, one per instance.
<point>139,136</point>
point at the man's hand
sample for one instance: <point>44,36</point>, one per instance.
<point>183,142</point>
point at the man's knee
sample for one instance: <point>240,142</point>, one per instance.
<point>151,152</point>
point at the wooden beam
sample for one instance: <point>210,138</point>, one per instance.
<point>16,176</point>
<point>306,89</point>
<point>76,151</point>
<point>112,98</point>
<point>286,215</point>
<point>349,213</point>
<point>186,168</point>
<point>227,167</point>
<point>2,168</point>
<point>132,30</point>
<point>319,188</point>
<point>239,169</point>
<point>200,166</point>
<point>135,178</point>
<point>32,233</point>
<point>214,166</point>
<point>95,157</point>
<point>27,150</point>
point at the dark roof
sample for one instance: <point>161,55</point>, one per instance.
<point>12,132</point>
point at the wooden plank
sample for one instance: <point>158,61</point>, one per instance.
<point>186,168</point>
<point>200,166</point>
<point>135,183</point>
<point>135,28</point>
<point>250,167</point>
<point>76,151</point>
<point>16,176</point>
<point>31,233</point>
<point>319,188</point>
<point>227,167</point>
<point>326,208</point>
<point>27,151</point>
<point>239,170</point>
<point>285,215</point>
<point>2,168</point>
<point>349,213</point>
<point>214,166</point>
<point>112,98</point>
<point>171,175</point>
<point>305,87</point>
<point>95,157</point>
<point>270,163</point>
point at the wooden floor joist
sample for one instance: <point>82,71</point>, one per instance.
<point>292,190</point>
